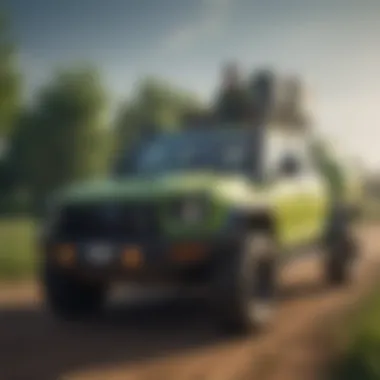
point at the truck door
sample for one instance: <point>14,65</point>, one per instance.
<point>316,197</point>
<point>299,195</point>
<point>286,189</point>
<point>289,201</point>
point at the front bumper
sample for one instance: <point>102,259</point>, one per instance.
<point>183,261</point>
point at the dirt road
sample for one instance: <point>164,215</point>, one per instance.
<point>178,341</point>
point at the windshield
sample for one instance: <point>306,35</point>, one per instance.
<point>221,151</point>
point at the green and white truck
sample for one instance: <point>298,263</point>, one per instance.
<point>222,207</point>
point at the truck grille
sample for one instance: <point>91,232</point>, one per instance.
<point>109,221</point>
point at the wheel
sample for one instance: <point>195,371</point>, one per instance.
<point>339,259</point>
<point>341,248</point>
<point>69,298</point>
<point>245,284</point>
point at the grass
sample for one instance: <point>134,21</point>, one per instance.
<point>372,209</point>
<point>361,356</point>
<point>18,251</point>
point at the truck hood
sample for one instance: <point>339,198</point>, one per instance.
<point>173,185</point>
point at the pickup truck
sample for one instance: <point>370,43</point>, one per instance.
<point>222,208</point>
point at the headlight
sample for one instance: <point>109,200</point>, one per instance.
<point>190,211</point>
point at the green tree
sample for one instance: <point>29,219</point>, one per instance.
<point>232,103</point>
<point>63,138</point>
<point>9,81</point>
<point>155,106</point>
<point>10,94</point>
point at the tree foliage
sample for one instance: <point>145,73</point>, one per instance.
<point>61,139</point>
<point>156,106</point>
<point>9,81</point>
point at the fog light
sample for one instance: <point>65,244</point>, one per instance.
<point>132,257</point>
<point>65,255</point>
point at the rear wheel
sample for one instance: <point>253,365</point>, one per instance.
<point>245,285</point>
<point>339,260</point>
<point>68,297</point>
<point>341,249</point>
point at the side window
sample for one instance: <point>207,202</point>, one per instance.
<point>285,158</point>
<point>309,164</point>
<point>291,165</point>
<point>274,150</point>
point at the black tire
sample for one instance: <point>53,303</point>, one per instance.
<point>242,278</point>
<point>340,256</point>
<point>69,298</point>
<point>340,246</point>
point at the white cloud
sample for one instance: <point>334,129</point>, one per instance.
<point>212,20</point>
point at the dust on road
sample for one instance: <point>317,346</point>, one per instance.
<point>176,340</point>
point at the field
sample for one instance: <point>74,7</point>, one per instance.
<point>372,209</point>
<point>360,359</point>
<point>17,248</point>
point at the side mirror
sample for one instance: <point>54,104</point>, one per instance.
<point>289,167</point>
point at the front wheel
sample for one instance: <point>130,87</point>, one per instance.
<point>68,297</point>
<point>245,284</point>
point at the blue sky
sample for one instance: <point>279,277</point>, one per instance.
<point>333,44</point>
